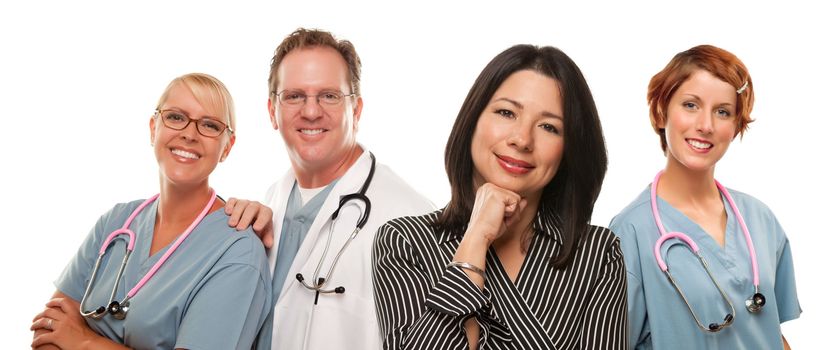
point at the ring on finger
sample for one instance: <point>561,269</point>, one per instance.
<point>49,324</point>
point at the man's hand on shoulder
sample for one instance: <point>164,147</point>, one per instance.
<point>244,213</point>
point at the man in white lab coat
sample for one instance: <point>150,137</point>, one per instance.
<point>315,104</point>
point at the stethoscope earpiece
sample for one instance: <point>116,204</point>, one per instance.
<point>714,327</point>
<point>96,314</point>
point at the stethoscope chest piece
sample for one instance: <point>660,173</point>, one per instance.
<point>755,302</point>
<point>118,310</point>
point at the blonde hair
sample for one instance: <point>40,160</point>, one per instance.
<point>208,91</point>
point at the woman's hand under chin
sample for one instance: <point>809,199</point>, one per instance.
<point>494,211</point>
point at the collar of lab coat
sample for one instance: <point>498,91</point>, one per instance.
<point>350,182</point>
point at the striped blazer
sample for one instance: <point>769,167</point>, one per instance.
<point>422,305</point>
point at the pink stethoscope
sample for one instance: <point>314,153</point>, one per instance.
<point>119,309</point>
<point>753,304</point>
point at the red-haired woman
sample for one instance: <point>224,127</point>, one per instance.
<point>707,267</point>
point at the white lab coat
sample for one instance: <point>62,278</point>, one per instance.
<point>338,321</point>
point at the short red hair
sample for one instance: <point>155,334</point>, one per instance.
<point>721,63</point>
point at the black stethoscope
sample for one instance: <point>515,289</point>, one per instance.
<point>319,282</point>
<point>755,302</point>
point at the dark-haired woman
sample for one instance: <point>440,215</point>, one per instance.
<point>511,262</point>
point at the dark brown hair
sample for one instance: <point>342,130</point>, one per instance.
<point>574,189</point>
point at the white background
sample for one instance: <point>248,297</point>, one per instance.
<point>78,82</point>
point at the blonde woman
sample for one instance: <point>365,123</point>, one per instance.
<point>190,281</point>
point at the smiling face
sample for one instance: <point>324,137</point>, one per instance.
<point>185,157</point>
<point>320,138</point>
<point>519,139</point>
<point>700,122</point>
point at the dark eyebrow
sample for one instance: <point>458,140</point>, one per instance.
<point>551,115</point>
<point>546,114</point>
<point>514,102</point>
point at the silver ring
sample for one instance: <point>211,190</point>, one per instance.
<point>49,324</point>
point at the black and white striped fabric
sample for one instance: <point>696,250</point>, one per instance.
<point>422,305</point>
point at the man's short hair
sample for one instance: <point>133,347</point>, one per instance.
<point>303,38</point>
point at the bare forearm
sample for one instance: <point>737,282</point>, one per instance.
<point>61,326</point>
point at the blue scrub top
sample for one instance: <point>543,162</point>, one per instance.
<point>297,221</point>
<point>658,317</point>
<point>212,293</point>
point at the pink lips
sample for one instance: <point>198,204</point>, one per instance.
<point>514,166</point>
<point>699,150</point>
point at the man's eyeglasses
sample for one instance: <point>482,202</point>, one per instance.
<point>298,98</point>
<point>177,120</point>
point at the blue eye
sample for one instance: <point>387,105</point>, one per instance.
<point>689,105</point>
<point>724,113</point>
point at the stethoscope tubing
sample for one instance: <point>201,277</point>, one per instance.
<point>692,246</point>
<point>125,227</point>
<point>173,247</point>
<point>361,195</point>
<point>319,281</point>
<point>664,235</point>
<point>746,234</point>
<point>754,304</point>
<point>124,230</point>
<point>729,317</point>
